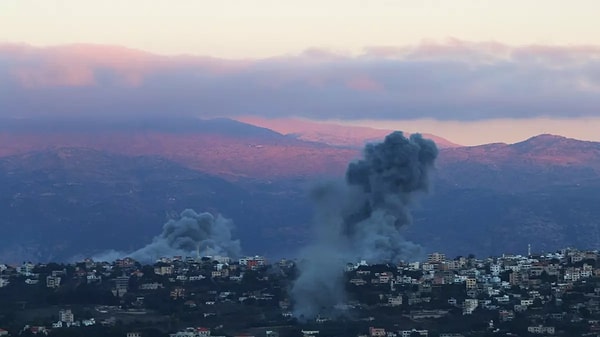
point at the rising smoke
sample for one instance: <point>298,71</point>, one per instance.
<point>188,235</point>
<point>362,219</point>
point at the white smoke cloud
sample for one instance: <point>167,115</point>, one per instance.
<point>191,233</point>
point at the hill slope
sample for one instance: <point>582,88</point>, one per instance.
<point>221,147</point>
<point>534,163</point>
<point>117,190</point>
<point>69,201</point>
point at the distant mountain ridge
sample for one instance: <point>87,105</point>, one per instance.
<point>221,126</point>
<point>219,146</point>
<point>331,133</point>
<point>542,148</point>
<point>116,184</point>
<point>530,164</point>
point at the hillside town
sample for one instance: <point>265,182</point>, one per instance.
<point>551,294</point>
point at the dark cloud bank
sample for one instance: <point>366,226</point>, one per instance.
<point>454,80</point>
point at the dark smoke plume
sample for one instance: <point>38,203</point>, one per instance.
<point>189,235</point>
<point>362,219</point>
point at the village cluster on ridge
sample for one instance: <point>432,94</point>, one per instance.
<point>535,294</point>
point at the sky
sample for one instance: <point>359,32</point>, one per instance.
<point>264,28</point>
<point>472,71</point>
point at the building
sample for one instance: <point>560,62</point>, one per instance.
<point>252,262</point>
<point>202,332</point>
<point>436,258</point>
<point>376,332</point>
<point>470,305</point>
<point>93,278</point>
<point>88,322</point>
<point>163,270</point>
<point>410,333</point>
<point>385,277</point>
<point>471,283</point>
<point>66,316</point>
<point>3,282</point>
<point>121,285</point>
<point>540,329</point>
<point>395,301</point>
<point>150,286</point>
<point>192,332</point>
<point>177,292</point>
<point>26,269</point>
<point>221,259</point>
<point>41,330</point>
<point>125,263</point>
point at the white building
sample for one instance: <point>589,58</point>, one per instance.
<point>409,333</point>
<point>192,332</point>
<point>66,316</point>
<point>395,301</point>
<point>88,322</point>
<point>436,258</point>
<point>53,281</point>
<point>540,329</point>
<point>469,306</point>
<point>3,282</point>
<point>26,269</point>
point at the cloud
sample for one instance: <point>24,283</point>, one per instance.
<point>449,80</point>
<point>364,83</point>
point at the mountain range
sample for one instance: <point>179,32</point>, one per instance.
<point>330,133</point>
<point>80,186</point>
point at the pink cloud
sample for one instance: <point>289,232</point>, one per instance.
<point>77,65</point>
<point>453,79</point>
<point>54,75</point>
<point>364,83</point>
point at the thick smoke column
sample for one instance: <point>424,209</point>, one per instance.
<point>362,218</point>
<point>191,233</point>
